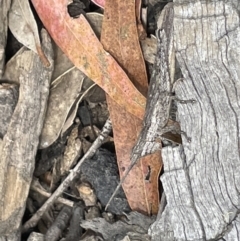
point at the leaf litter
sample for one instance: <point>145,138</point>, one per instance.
<point>70,95</point>
<point>92,59</point>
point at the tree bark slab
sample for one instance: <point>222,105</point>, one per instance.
<point>201,178</point>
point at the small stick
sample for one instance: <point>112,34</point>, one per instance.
<point>32,222</point>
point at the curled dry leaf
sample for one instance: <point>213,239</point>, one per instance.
<point>87,193</point>
<point>78,41</point>
<point>23,26</point>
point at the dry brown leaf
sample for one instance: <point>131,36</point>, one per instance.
<point>148,45</point>
<point>87,193</point>
<point>61,99</point>
<point>78,41</point>
<point>67,90</point>
<point>119,37</point>
<point>23,26</point>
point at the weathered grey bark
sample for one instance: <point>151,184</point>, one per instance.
<point>19,145</point>
<point>8,101</point>
<point>201,178</point>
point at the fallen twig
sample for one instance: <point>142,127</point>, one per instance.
<point>36,186</point>
<point>67,182</point>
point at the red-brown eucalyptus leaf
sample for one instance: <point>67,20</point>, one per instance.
<point>77,40</point>
<point>100,3</point>
<point>141,31</point>
<point>120,38</point>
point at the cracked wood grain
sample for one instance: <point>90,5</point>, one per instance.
<point>201,178</point>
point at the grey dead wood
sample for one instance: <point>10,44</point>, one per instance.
<point>8,101</point>
<point>20,143</point>
<point>201,178</point>
<point>75,230</point>
<point>136,224</point>
<point>4,9</point>
<point>59,225</point>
